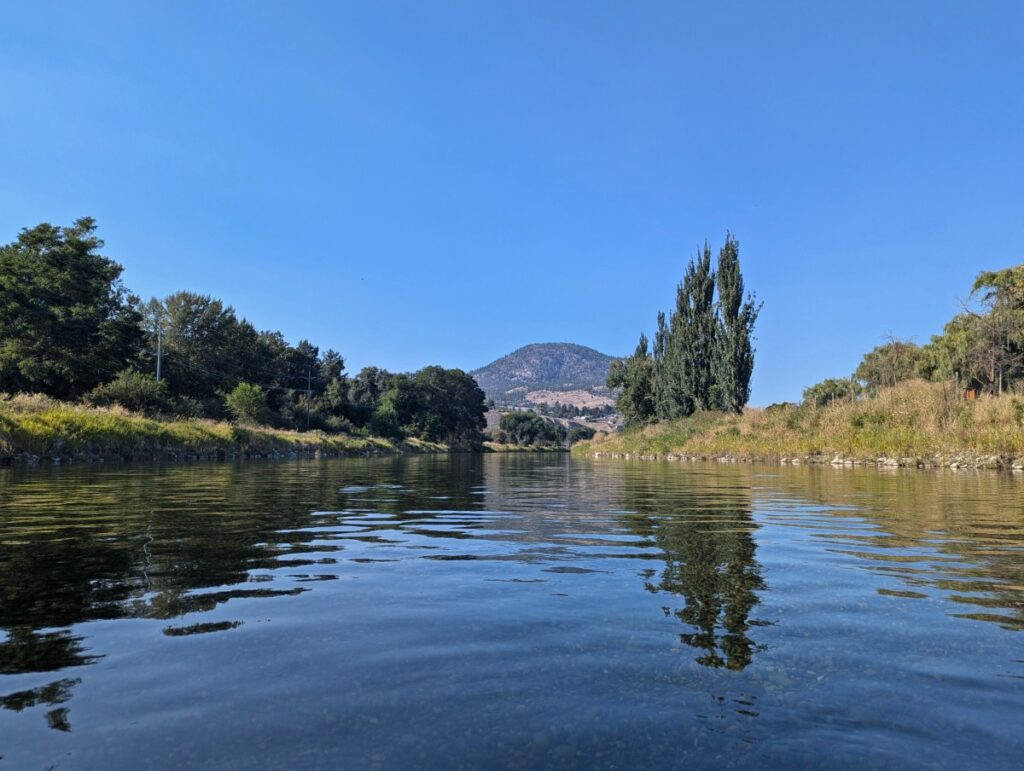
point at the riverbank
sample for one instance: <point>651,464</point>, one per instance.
<point>915,424</point>
<point>35,430</point>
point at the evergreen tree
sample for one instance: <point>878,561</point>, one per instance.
<point>734,360</point>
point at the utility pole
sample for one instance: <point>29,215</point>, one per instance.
<point>159,348</point>
<point>309,392</point>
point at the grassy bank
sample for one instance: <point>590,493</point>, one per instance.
<point>37,429</point>
<point>914,423</point>
<point>504,447</point>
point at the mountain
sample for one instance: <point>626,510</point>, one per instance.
<point>546,373</point>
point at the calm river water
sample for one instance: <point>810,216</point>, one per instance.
<point>509,611</point>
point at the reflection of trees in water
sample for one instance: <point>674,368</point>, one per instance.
<point>51,694</point>
<point>704,528</point>
<point>144,543</point>
<point>28,650</point>
<point>958,533</point>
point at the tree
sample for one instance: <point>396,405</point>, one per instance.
<point>665,406</point>
<point>830,390</point>
<point>207,350</point>
<point>580,434</point>
<point>434,404</point>
<point>983,348</point>
<point>703,354</point>
<point>529,428</point>
<point>66,322</point>
<point>1000,343</point>
<point>734,362</point>
<point>635,377</point>
<point>247,403</point>
<point>697,333</point>
<point>889,364</point>
<point>365,392</point>
<point>451,407</point>
<point>685,348</point>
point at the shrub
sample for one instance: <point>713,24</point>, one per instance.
<point>580,433</point>
<point>247,403</point>
<point>530,428</point>
<point>134,391</point>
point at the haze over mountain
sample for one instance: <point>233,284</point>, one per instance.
<point>548,372</point>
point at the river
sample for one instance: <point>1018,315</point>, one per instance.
<point>518,610</point>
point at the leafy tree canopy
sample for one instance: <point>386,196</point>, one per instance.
<point>66,322</point>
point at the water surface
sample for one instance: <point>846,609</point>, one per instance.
<point>509,611</point>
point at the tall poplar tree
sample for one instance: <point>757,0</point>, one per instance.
<point>635,376</point>
<point>703,333</point>
<point>703,355</point>
<point>664,405</point>
<point>734,352</point>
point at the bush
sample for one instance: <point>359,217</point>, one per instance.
<point>580,433</point>
<point>529,428</point>
<point>134,391</point>
<point>247,403</point>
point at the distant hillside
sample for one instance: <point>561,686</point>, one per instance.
<point>546,373</point>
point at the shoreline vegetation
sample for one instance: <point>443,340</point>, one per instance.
<point>98,374</point>
<point>38,430</point>
<point>913,424</point>
<point>208,382</point>
<point>956,402</point>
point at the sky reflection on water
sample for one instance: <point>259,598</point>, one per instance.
<point>506,611</point>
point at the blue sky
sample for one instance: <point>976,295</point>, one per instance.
<point>415,183</point>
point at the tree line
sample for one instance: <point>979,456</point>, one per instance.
<point>703,356</point>
<point>979,349</point>
<point>71,330</point>
<point>559,410</point>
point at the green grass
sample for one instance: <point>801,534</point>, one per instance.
<point>48,429</point>
<point>913,420</point>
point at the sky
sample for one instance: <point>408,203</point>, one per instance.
<point>442,182</point>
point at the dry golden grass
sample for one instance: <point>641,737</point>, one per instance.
<point>45,428</point>
<point>912,420</point>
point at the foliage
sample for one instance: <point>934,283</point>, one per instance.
<point>68,329</point>
<point>981,349</point>
<point>247,403</point>
<point>66,322</point>
<point>634,377</point>
<point>529,428</point>
<point>47,428</point>
<point>134,391</point>
<point>434,404</point>
<point>831,390</point>
<point>703,355</point>
<point>913,419</point>
<point>559,410</point>
<point>580,434</point>
<point>889,364</point>
<point>734,360</point>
